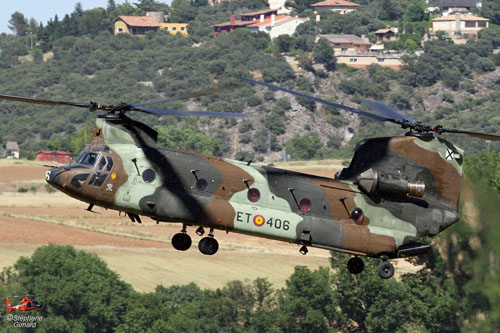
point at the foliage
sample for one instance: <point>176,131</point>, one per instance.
<point>305,147</point>
<point>188,137</point>
<point>78,290</point>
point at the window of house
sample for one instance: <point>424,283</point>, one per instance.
<point>380,60</point>
<point>470,24</point>
<point>166,28</point>
<point>182,28</point>
<point>353,60</point>
<point>481,24</point>
<point>120,29</point>
<point>174,28</point>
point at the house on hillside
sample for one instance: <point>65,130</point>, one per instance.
<point>135,25</point>
<point>358,52</point>
<point>363,60</point>
<point>459,26</point>
<point>153,21</point>
<point>384,35</point>
<point>278,25</point>
<point>12,150</point>
<point>245,20</point>
<point>446,7</point>
<point>339,6</point>
<point>347,44</point>
<point>54,156</point>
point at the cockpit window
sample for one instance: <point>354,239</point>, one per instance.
<point>98,179</point>
<point>87,159</point>
<point>102,163</point>
<point>110,163</point>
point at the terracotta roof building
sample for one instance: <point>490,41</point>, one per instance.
<point>340,6</point>
<point>135,25</point>
<point>246,20</point>
<point>343,44</point>
<point>460,25</point>
<point>277,25</point>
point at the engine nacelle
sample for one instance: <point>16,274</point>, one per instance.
<point>371,182</point>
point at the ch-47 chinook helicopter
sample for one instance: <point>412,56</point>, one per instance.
<point>395,191</point>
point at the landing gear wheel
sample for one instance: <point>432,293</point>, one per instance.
<point>208,245</point>
<point>385,270</point>
<point>355,265</point>
<point>181,241</point>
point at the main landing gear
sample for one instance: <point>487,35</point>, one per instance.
<point>385,269</point>
<point>207,245</point>
<point>181,241</point>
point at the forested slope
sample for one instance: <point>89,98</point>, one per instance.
<point>450,84</point>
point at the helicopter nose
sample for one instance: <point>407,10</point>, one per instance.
<point>53,176</point>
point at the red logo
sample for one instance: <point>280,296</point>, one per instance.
<point>259,220</point>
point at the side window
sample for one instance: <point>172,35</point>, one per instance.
<point>102,163</point>
<point>98,179</point>
<point>110,164</point>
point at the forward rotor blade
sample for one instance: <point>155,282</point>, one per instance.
<point>204,92</point>
<point>484,136</point>
<point>323,101</point>
<point>43,101</point>
<point>387,110</point>
<point>159,112</point>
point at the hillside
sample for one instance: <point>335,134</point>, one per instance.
<point>453,85</point>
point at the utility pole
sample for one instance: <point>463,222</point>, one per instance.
<point>268,145</point>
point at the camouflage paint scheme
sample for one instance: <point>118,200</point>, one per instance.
<point>179,186</point>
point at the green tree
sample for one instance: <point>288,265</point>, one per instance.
<point>416,12</point>
<point>305,147</point>
<point>77,289</point>
<point>18,24</point>
<point>323,53</point>
<point>307,304</point>
<point>188,137</point>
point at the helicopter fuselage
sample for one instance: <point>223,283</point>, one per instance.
<point>395,191</point>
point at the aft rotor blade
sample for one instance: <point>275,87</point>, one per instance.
<point>160,112</point>
<point>321,100</point>
<point>43,101</point>
<point>200,93</point>
<point>387,110</point>
<point>484,136</point>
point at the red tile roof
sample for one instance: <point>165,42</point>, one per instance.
<point>236,23</point>
<point>139,21</point>
<point>335,3</point>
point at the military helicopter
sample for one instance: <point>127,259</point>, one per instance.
<point>27,304</point>
<point>395,191</point>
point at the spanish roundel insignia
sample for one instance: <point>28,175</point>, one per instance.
<point>259,220</point>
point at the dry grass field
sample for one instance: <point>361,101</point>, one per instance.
<point>140,253</point>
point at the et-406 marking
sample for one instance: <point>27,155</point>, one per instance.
<point>259,220</point>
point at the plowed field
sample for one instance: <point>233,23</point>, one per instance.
<point>140,253</point>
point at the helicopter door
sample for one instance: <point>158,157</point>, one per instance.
<point>105,179</point>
